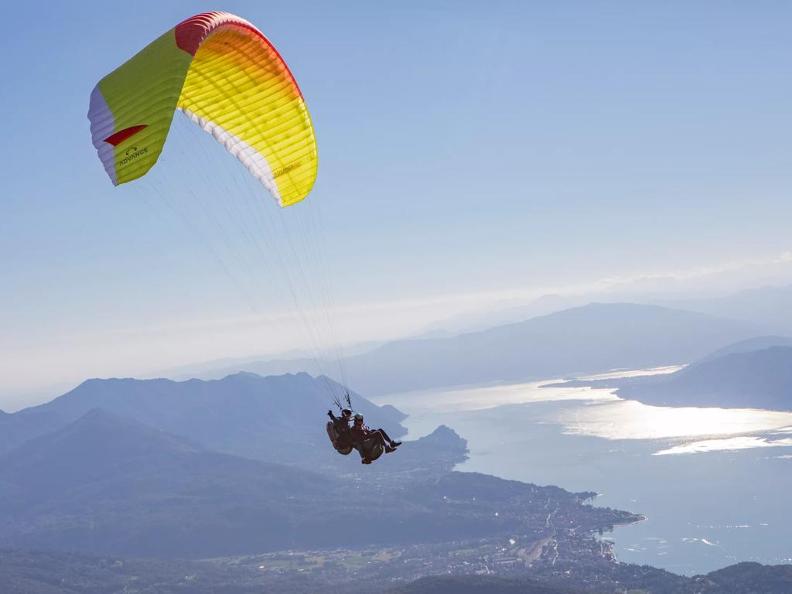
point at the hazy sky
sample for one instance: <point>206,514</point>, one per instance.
<point>468,150</point>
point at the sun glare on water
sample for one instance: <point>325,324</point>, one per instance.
<point>628,419</point>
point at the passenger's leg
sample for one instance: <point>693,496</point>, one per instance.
<point>388,439</point>
<point>379,436</point>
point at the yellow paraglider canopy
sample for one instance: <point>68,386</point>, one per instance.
<point>227,78</point>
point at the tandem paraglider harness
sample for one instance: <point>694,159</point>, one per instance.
<point>339,432</point>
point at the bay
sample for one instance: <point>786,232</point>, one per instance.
<point>713,483</point>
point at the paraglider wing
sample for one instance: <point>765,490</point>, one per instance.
<point>226,77</point>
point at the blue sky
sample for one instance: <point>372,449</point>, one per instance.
<point>466,148</point>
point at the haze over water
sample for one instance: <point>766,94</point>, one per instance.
<point>713,483</point>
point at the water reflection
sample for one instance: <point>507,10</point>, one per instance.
<point>725,501</point>
<point>471,398</point>
<point>600,413</point>
<point>620,373</point>
<point>730,444</point>
<point>627,419</point>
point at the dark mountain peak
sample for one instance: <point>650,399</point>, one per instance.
<point>268,418</point>
<point>435,453</point>
<point>444,434</point>
<point>96,447</point>
<point>101,434</point>
<point>112,393</point>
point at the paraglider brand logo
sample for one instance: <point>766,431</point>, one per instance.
<point>132,153</point>
<point>285,169</point>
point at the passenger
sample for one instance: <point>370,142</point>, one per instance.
<point>361,434</point>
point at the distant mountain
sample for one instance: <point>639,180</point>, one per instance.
<point>483,320</point>
<point>757,343</point>
<point>768,308</point>
<point>737,379</point>
<point>754,379</point>
<point>104,484</point>
<point>592,338</point>
<point>277,418</point>
<point>587,339</point>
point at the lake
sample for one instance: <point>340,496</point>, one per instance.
<point>714,484</point>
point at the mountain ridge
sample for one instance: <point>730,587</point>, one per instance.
<point>584,339</point>
<point>267,418</point>
<point>728,378</point>
<point>107,484</point>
